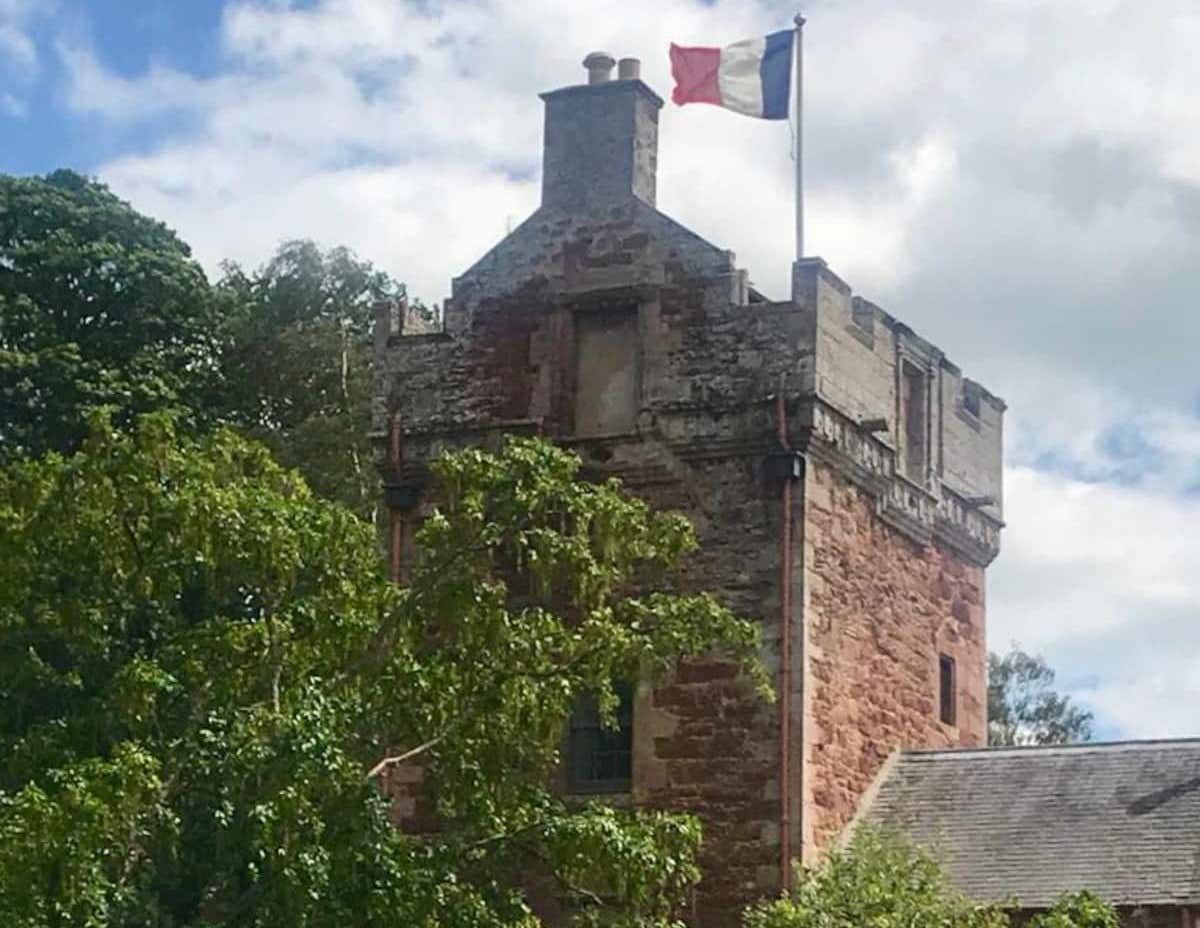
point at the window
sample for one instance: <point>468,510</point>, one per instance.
<point>599,759</point>
<point>947,703</point>
<point>914,404</point>
<point>606,371</point>
<point>970,399</point>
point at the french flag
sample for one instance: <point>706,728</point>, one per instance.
<point>751,77</point>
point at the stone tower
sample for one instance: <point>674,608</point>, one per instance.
<point>843,475</point>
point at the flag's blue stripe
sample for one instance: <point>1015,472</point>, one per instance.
<point>776,73</point>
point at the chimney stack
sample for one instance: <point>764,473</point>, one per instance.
<point>601,138</point>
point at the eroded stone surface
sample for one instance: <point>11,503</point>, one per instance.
<point>888,561</point>
<point>880,611</point>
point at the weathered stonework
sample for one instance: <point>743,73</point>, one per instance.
<point>880,610</point>
<point>602,324</point>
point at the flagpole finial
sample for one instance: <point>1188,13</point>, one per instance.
<point>799,20</point>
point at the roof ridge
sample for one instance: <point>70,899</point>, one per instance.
<point>1080,747</point>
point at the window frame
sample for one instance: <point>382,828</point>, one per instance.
<point>585,732</point>
<point>947,690</point>
<point>587,321</point>
<point>916,457</point>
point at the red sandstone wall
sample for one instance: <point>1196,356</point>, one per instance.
<point>880,609</point>
<point>705,742</point>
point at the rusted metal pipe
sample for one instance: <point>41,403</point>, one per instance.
<point>785,656</point>
<point>395,453</point>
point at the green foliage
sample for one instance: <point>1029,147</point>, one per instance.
<point>1023,707</point>
<point>879,881</point>
<point>882,881</point>
<point>1081,910</point>
<point>295,363</point>
<point>202,669</point>
<point>99,305</point>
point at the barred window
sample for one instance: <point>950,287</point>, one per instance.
<point>599,759</point>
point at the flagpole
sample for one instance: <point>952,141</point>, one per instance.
<point>799,67</point>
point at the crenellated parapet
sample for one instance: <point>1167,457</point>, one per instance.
<point>921,512</point>
<point>693,364</point>
<point>895,404</point>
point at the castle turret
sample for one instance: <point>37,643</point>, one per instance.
<point>860,543</point>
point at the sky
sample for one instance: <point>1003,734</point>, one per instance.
<point>1018,180</point>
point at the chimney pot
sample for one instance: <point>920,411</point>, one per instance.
<point>629,69</point>
<point>599,67</point>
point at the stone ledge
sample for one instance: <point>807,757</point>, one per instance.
<point>632,475</point>
<point>820,431</point>
<point>605,89</point>
<point>971,420</point>
<point>397,339</point>
<point>920,513</point>
<point>863,335</point>
<point>435,427</point>
<point>965,545</point>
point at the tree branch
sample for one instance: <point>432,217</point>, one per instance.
<point>407,755</point>
<point>273,655</point>
<point>566,883</point>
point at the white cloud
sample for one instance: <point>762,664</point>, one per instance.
<point>1156,698</point>
<point>93,88</point>
<point>332,98</point>
<point>1016,180</point>
<point>409,208</point>
<point>1099,569</point>
<point>1105,582</point>
<point>19,60</point>
<point>1115,556</point>
<point>16,49</point>
<point>874,235</point>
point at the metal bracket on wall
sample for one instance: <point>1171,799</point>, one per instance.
<point>784,465</point>
<point>401,497</point>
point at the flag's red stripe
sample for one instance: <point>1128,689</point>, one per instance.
<point>695,71</point>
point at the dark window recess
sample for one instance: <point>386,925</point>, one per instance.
<point>599,759</point>
<point>947,704</point>
<point>970,400</point>
<point>914,401</point>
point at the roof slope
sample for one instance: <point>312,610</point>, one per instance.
<point>1120,819</point>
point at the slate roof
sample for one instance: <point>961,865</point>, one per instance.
<point>1120,819</point>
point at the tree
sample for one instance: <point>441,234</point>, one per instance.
<point>103,306</point>
<point>295,363</point>
<point>203,673</point>
<point>1023,707</point>
<point>882,880</point>
<point>99,305</point>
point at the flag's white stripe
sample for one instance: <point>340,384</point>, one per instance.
<point>739,77</point>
